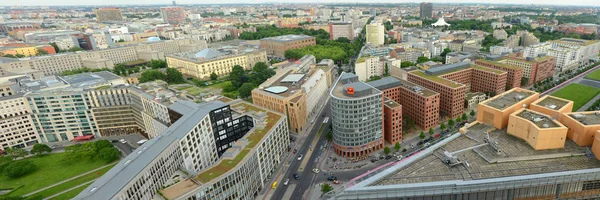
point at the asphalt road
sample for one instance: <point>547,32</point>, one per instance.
<point>306,176</point>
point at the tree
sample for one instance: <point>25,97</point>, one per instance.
<point>397,146</point>
<point>157,64</point>
<point>387,70</point>
<point>430,131</point>
<point>325,188</point>
<point>374,78</point>
<point>151,75</point>
<point>41,52</point>
<point>120,70</point>
<point>213,76</point>
<point>422,59</point>
<point>121,40</point>
<point>472,113</point>
<point>261,72</point>
<point>174,76</point>
<point>246,90</point>
<point>442,126</point>
<point>406,64</point>
<point>464,117</point>
<point>56,49</point>
<point>328,135</point>
<point>343,40</point>
<point>446,51</point>
<point>422,135</point>
<point>109,154</point>
<point>388,26</point>
<point>4,161</point>
<point>458,119</point>
<point>451,123</point>
<point>19,168</point>
<point>15,152</point>
<point>387,150</point>
<point>238,76</point>
<point>39,149</point>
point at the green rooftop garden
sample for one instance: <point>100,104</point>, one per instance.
<point>495,71</point>
<point>498,63</point>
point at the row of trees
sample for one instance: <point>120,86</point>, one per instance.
<point>320,52</point>
<point>172,76</point>
<point>245,81</point>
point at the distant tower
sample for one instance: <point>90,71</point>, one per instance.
<point>343,17</point>
<point>426,10</point>
<point>174,3</point>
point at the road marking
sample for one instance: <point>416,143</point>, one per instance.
<point>310,150</point>
<point>290,190</point>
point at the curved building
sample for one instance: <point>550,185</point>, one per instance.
<point>357,117</point>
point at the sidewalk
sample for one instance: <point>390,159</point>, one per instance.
<point>65,191</point>
<point>67,180</point>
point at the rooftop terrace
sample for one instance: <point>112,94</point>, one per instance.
<point>516,158</point>
<point>587,118</point>
<point>495,71</point>
<point>437,79</point>
<point>540,120</point>
<point>553,103</point>
<point>506,100</point>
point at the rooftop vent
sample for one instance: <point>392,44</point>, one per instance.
<point>545,126</point>
<point>519,97</point>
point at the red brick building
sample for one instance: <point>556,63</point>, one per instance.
<point>534,69</point>
<point>392,121</point>
<point>276,46</point>
<point>514,76</point>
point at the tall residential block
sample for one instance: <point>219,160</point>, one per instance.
<point>16,125</point>
<point>375,34</point>
<point>108,14</point>
<point>276,46</point>
<point>357,117</point>
<point>368,66</point>
<point>426,10</point>
<point>173,15</point>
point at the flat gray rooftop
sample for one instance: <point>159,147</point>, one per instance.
<point>506,100</point>
<point>447,68</point>
<point>541,121</point>
<point>516,158</point>
<point>553,103</point>
<point>587,118</point>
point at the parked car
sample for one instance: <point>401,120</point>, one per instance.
<point>300,157</point>
<point>114,141</point>
<point>388,157</point>
<point>286,182</point>
<point>336,182</point>
<point>399,157</point>
<point>437,135</point>
<point>296,176</point>
<point>122,141</point>
<point>316,171</point>
<point>427,144</point>
<point>142,142</point>
<point>373,160</point>
<point>331,178</point>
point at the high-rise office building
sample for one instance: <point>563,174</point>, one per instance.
<point>426,10</point>
<point>108,14</point>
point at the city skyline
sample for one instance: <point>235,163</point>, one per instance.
<point>162,2</point>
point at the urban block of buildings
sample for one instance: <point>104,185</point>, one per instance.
<point>108,15</point>
<point>516,149</point>
<point>209,146</point>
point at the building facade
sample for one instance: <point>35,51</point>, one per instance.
<point>276,46</point>
<point>375,34</point>
<point>202,64</point>
<point>173,15</point>
<point>108,14</point>
<point>367,67</point>
<point>341,29</point>
<point>426,10</point>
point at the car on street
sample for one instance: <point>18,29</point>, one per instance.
<point>427,144</point>
<point>300,157</point>
<point>336,182</point>
<point>388,157</point>
<point>331,178</point>
<point>295,150</point>
<point>286,182</point>
<point>142,142</point>
<point>399,157</point>
<point>122,141</point>
<point>114,141</point>
<point>296,176</point>
<point>316,171</point>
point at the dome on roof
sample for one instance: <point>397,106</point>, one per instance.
<point>152,39</point>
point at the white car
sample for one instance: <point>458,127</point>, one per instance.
<point>316,171</point>
<point>286,182</point>
<point>122,141</point>
<point>300,157</point>
<point>142,142</point>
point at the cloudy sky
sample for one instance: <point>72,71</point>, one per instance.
<point>121,2</point>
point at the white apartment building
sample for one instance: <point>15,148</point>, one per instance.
<point>497,50</point>
<point>316,89</point>
<point>375,34</point>
<point>536,49</point>
<point>16,127</point>
<point>366,67</point>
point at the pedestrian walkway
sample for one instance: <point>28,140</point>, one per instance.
<point>67,180</point>
<point>67,190</point>
<point>589,104</point>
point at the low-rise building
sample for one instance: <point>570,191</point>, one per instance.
<point>276,46</point>
<point>219,61</point>
<point>496,110</point>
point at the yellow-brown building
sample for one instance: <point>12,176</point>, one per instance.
<point>202,64</point>
<point>552,106</point>
<point>537,129</point>
<point>583,126</point>
<point>496,111</point>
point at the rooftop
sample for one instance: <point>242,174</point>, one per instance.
<point>285,83</point>
<point>391,103</point>
<point>390,82</point>
<point>210,54</point>
<point>552,102</point>
<point>586,118</point>
<point>516,158</point>
<point>498,63</point>
<point>437,79</point>
<point>540,120</point>
<point>495,71</point>
<point>505,100</point>
<point>349,80</point>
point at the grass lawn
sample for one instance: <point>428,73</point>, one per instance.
<point>578,93</point>
<point>50,170</point>
<point>595,75</point>
<point>71,194</point>
<point>72,183</point>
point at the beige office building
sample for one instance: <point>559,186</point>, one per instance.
<point>202,64</point>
